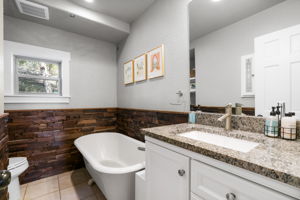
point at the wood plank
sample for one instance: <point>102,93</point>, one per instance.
<point>3,150</point>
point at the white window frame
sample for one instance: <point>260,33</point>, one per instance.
<point>12,49</point>
<point>17,76</point>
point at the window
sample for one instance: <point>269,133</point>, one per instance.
<point>34,74</point>
<point>37,76</point>
<point>247,70</point>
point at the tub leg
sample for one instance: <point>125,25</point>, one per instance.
<point>91,182</point>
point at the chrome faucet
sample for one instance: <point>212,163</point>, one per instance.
<point>227,116</point>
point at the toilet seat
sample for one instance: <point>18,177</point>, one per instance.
<point>16,162</point>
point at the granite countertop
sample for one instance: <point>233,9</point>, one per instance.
<point>274,158</point>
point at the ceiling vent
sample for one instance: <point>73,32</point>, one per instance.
<point>33,9</point>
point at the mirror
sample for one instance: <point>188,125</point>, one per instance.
<point>230,43</point>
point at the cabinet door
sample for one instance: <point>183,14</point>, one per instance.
<point>211,183</point>
<point>167,174</point>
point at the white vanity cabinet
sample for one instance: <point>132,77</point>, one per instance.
<point>173,173</point>
<point>167,174</point>
<point>210,183</point>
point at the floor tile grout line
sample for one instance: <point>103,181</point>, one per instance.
<point>43,194</point>
<point>36,182</point>
<point>72,186</point>
<point>58,188</point>
<point>25,192</point>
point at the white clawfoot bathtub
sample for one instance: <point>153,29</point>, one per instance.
<point>112,159</point>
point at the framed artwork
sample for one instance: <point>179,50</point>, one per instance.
<point>155,60</point>
<point>140,68</point>
<point>247,76</point>
<point>128,72</point>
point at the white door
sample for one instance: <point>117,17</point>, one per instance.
<point>277,69</point>
<point>167,174</point>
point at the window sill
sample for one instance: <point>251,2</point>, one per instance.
<point>36,99</point>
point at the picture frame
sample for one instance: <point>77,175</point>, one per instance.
<point>156,62</point>
<point>128,72</point>
<point>140,68</point>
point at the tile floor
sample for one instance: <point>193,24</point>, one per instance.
<point>71,185</point>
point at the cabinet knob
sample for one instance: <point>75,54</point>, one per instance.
<point>181,172</point>
<point>230,196</point>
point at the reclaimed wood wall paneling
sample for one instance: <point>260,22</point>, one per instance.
<point>46,137</point>
<point>3,150</point>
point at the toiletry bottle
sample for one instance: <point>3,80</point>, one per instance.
<point>192,117</point>
<point>294,125</point>
<point>238,109</point>
<point>284,124</point>
<point>288,126</point>
<point>271,128</point>
<point>267,123</point>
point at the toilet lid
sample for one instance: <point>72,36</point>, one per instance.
<point>16,162</point>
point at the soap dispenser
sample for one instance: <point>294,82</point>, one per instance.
<point>192,117</point>
<point>289,127</point>
<point>238,109</point>
<point>272,124</point>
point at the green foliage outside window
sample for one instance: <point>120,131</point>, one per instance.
<point>37,76</point>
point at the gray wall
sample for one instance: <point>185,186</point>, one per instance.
<point>165,22</point>
<point>218,54</point>
<point>93,63</point>
<point>1,59</point>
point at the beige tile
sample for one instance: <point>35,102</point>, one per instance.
<point>98,193</point>
<point>91,198</point>
<point>43,180</point>
<point>78,192</point>
<point>82,170</point>
<point>23,190</point>
<point>87,174</point>
<point>72,179</point>
<point>65,174</point>
<point>51,196</point>
<point>41,189</point>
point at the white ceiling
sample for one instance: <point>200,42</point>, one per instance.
<point>207,16</point>
<point>126,10</point>
<point>107,20</point>
<point>62,20</point>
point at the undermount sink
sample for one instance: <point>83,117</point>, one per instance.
<point>222,141</point>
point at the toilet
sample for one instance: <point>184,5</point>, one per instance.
<point>16,167</point>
